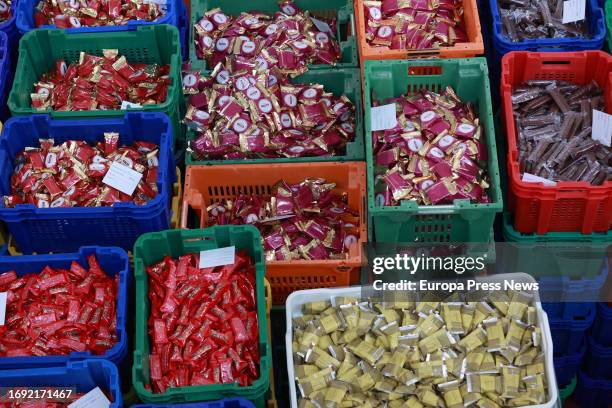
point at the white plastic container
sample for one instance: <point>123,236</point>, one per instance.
<point>297,299</point>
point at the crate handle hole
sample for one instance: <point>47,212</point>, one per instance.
<point>564,62</point>
<point>425,70</point>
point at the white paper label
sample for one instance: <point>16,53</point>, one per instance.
<point>532,178</point>
<point>602,128</point>
<point>130,105</point>
<point>383,117</point>
<point>122,178</point>
<point>321,25</point>
<point>573,10</point>
<point>93,399</point>
<point>3,297</point>
<point>217,257</point>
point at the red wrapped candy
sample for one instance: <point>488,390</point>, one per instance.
<point>203,323</point>
<point>59,311</point>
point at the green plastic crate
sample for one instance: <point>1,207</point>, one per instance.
<point>461,221</point>
<point>343,9</point>
<point>340,82</point>
<point>153,247</point>
<point>608,12</point>
<point>551,254</point>
<point>39,49</point>
<point>565,393</point>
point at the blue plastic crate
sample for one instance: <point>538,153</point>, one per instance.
<point>67,229</point>
<point>6,74</point>
<point>567,366</point>
<point>224,403</point>
<point>597,30</point>
<point>114,261</point>
<point>598,362</point>
<point>602,328</point>
<point>83,375</point>
<point>592,393</point>
<point>183,27</point>
<point>25,19</point>
<point>568,334</point>
<point>9,27</point>
<point>571,294</point>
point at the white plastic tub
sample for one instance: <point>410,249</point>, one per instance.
<point>297,299</point>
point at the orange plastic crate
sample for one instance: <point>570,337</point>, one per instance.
<point>205,185</point>
<point>473,48</point>
<point>568,206</point>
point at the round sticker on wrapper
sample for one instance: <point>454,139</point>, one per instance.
<point>380,200</point>
<point>242,83</point>
<point>253,93</point>
<point>50,160</point>
<point>271,29</point>
<point>42,204</point>
<point>409,127</point>
<point>326,101</point>
<point>322,37</point>
<point>310,93</point>
<point>344,117</point>
<point>75,22</point>
<point>43,91</point>
<point>223,77</point>
<point>126,161</point>
<point>296,149</point>
<point>63,68</point>
<point>222,44</point>
<point>349,240</point>
<point>465,128</point>
<point>290,100</point>
<point>285,119</point>
<point>251,21</point>
<point>248,47</point>
<point>189,80</point>
<point>4,6</point>
<point>446,141</point>
<point>208,41</point>
<point>272,80</point>
<point>427,116</point>
<point>202,115</point>
<point>99,166</point>
<point>70,191</point>
<point>207,25</point>
<point>220,18</point>
<point>385,31</point>
<point>347,127</point>
<point>435,152</point>
<point>58,202</point>
<point>415,144</point>
<point>217,210</point>
<point>98,159</point>
<point>300,45</point>
<point>224,100</point>
<point>375,13</point>
<point>265,105</point>
<point>251,218</point>
<point>240,125</point>
<point>289,9</point>
<point>337,107</point>
<point>74,4</point>
<point>153,161</point>
<point>426,184</point>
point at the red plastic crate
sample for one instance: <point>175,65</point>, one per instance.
<point>567,206</point>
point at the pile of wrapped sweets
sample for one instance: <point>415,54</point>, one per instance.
<point>410,24</point>
<point>555,140</point>
<point>203,323</point>
<point>108,82</point>
<point>242,113</point>
<point>72,174</point>
<point>95,13</point>
<point>433,154</point>
<point>355,353</point>
<point>59,311</point>
<point>289,40</point>
<point>306,220</point>
<point>532,19</point>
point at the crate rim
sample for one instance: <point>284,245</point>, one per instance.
<point>446,209</point>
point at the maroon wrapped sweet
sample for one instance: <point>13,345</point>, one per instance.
<point>289,40</point>
<point>435,153</point>
<point>203,323</point>
<point>5,10</point>
<point>414,24</point>
<point>250,114</point>
<point>306,221</point>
